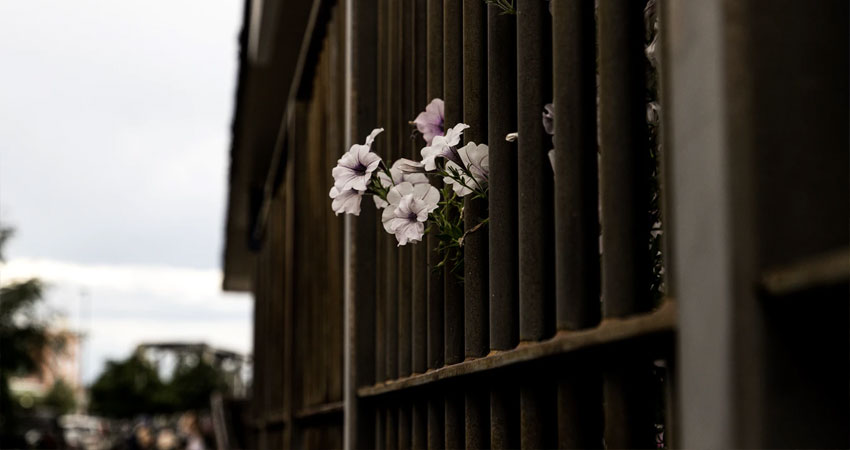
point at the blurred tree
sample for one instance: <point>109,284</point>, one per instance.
<point>23,335</point>
<point>60,398</point>
<point>128,388</point>
<point>132,387</point>
<point>192,385</point>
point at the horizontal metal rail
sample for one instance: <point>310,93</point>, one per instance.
<point>609,331</point>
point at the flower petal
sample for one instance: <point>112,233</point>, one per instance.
<point>372,135</point>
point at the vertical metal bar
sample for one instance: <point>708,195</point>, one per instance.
<point>625,160</point>
<point>625,203</point>
<point>580,416</point>
<point>419,424</point>
<point>538,427</point>
<point>391,427</point>
<point>360,299</point>
<point>381,236</point>
<point>538,412</point>
<point>535,177</point>
<point>503,258</point>
<point>453,91</point>
<point>455,421</point>
<point>475,251</point>
<point>404,437</point>
<point>392,273</point>
<point>477,417</point>
<point>576,189</point>
<point>436,418</point>
<point>403,50</point>
<point>379,428</point>
<point>436,421</point>
<point>580,412</point>
<point>501,98</point>
<point>434,25</point>
<point>629,402</point>
<point>419,266</point>
<point>504,414</point>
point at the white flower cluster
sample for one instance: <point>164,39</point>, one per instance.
<point>403,190</point>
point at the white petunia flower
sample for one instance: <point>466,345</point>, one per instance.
<point>354,169</point>
<point>399,176</point>
<point>442,147</point>
<point>476,159</point>
<point>347,201</point>
<point>408,210</point>
<point>430,121</point>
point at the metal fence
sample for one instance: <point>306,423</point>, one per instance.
<point>569,329</point>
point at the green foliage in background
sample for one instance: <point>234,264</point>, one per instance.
<point>60,398</point>
<point>132,387</point>
<point>23,335</point>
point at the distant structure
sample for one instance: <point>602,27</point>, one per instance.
<point>60,361</point>
<point>168,355</point>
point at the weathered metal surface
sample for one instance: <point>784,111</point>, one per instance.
<point>576,190</point>
<point>434,24</point>
<point>455,421</point>
<point>453,92</point>
<point>501,98</point>
<point>504,414</point>
<point>419,264</point>
<point>419,424</point>
<point>404,432</point>
<point>477,416</point>
<point>580,415</point>
<point>534,173</point>
<point>475,244</point>
<point>624,158</point>
<point>391,427</point>
<point>538,413</point>
<point>436,421</point>
<point>609,331</point>
<point>811,272</point>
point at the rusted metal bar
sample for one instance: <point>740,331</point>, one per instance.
<point>625,204</point>
<point>538,412</point>
<point>380,234</point>
<point>404,437</point>
<point>436,421</point>
<point>419,424</point>
<point>391,427</point>
<point>580,413</point>
<point>403,49</point>
<point>630,403</point>
<point>455,421</point>
<point>534,173</point>
<point>391,67</point>
<point>405,275</point>
<point>501,98</point>
<point>580,416</point>
<point>504,414</point>
<point>475,251</point>
<point>434,26</point>
<point>576,189</point>
<point>419,264</point>
<point>477,416</point>
<point>379,428</point>
<point>453,91</point>
<point>624,160</point>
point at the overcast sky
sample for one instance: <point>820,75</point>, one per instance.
<point>114,135</point>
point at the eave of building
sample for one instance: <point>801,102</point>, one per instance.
<point>277,45</point>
